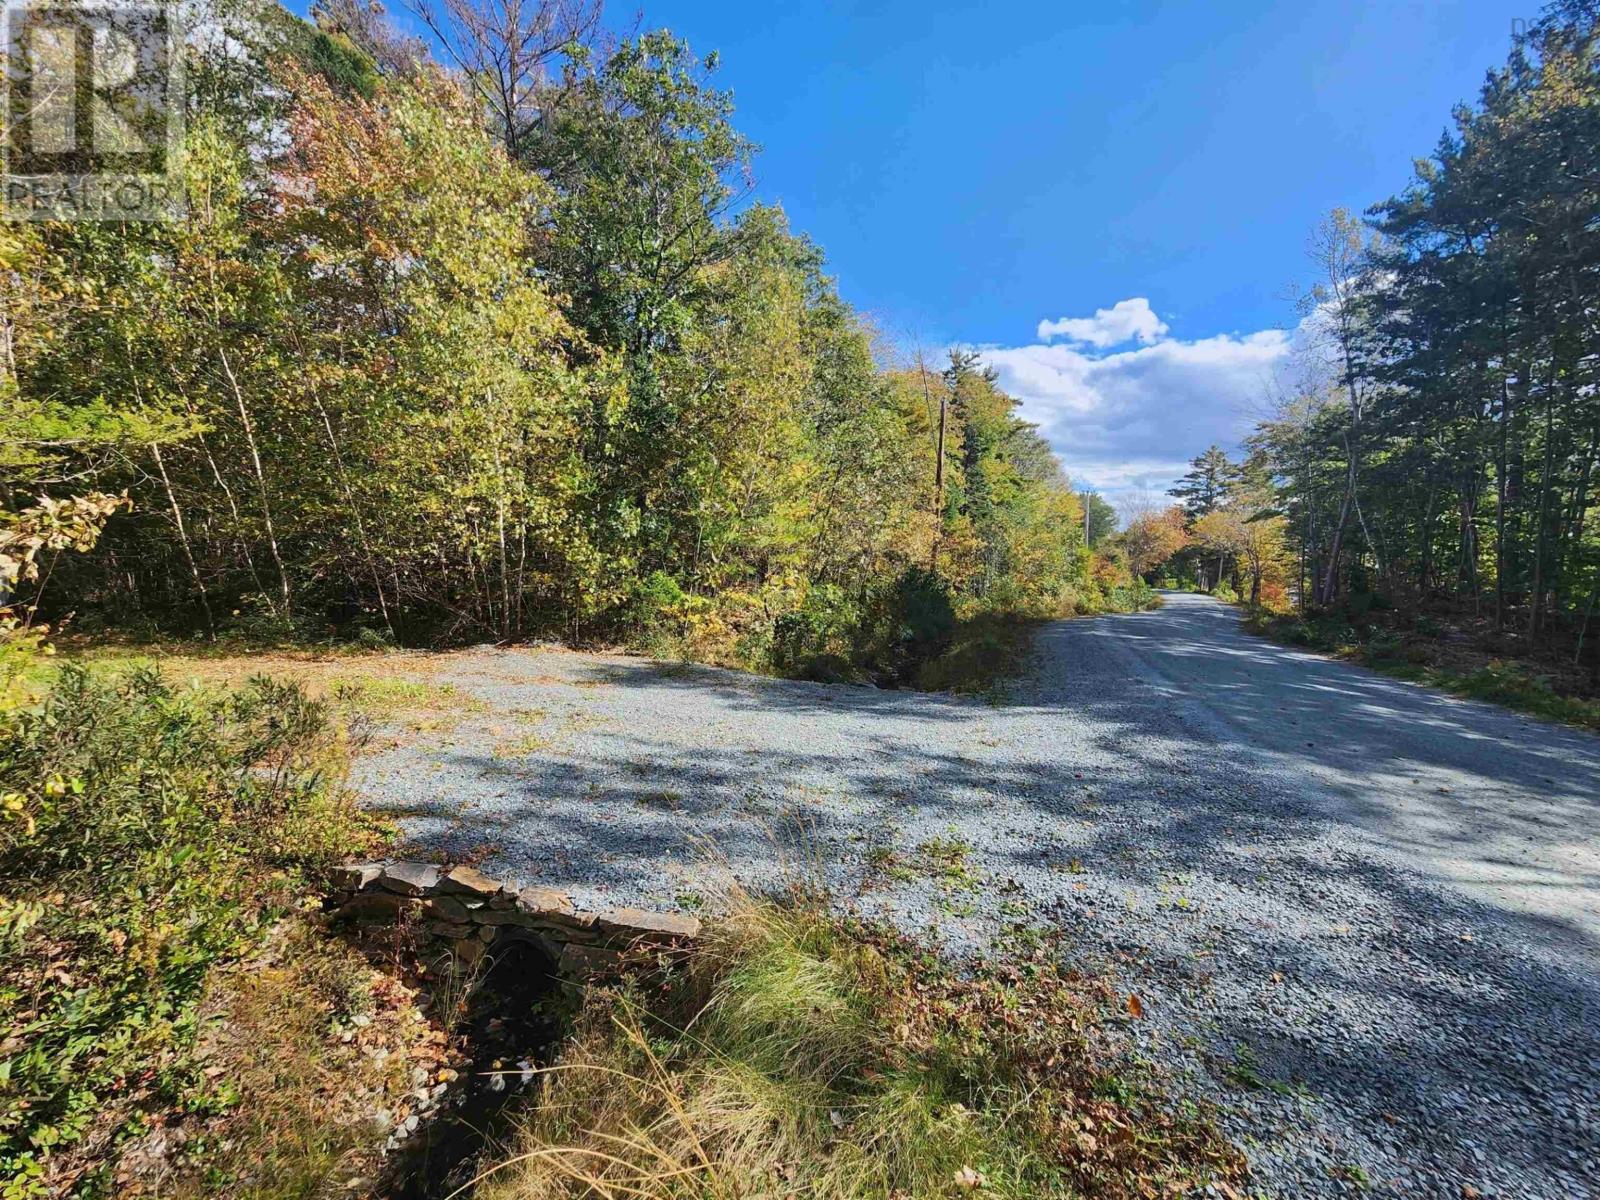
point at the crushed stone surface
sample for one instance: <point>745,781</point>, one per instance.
<point>1362,917</point>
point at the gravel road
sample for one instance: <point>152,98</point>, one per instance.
<point>1362,916</point>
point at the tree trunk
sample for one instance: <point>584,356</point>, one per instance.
<point>233,504</point>
<point>261,477</point>
<point>1583,630</point>
<point>1425,571</point>
<point>1330,579</point>
<point>183,540</point>
<point>1569,539</point>
<point>1536,606</point>
<point>355,514</point>
<point>1500,510</point>
<point>500,527</point>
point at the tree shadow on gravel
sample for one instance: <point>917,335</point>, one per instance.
<point>736,691</point>
<point>1463,1054</point>
<point>1145,762</point>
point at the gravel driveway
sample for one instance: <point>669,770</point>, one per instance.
<point>1362,916</point>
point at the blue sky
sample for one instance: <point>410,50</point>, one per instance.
<point>974,170</point>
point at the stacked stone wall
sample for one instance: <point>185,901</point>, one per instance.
<point>463,911</point>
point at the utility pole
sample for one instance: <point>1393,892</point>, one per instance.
<point>938,465</point>
<point>1086,540</point>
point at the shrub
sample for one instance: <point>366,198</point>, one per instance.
<point>924,613</point>
<point>1298,633</point>
<point>983,650</point>
<point>900,627</point>
<point>657,601</point>
<point>815,640</point>
<point>368,638</point>
<point>1137,596</point>
<point>1384,644</point>
<point>149,834</point>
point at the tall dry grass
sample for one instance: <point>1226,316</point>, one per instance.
<point>800,1056</point>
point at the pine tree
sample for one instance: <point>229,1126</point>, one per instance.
<point>1205,487</point>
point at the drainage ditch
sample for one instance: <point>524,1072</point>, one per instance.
<point>512,1023</point>
<point>504,959</point>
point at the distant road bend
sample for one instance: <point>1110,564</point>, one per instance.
<point>1382,900</point>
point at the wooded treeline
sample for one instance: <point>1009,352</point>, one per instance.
<point>497,347</point>
<point>1445,455</point>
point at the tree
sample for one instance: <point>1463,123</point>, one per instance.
<point>394,374</point>
<point>1206,484</point>
<point>366,24</point>
<point>1338,304</point>
<point>504,50</point>
<point>1100,519</point>
<point>1445,451</point>
<point>1253,539</point>
<point>1153,536</point>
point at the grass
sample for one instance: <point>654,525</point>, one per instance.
<point>522,746</point>
<point>1509,684</point>
<point>361,686</point>
<point>946,861</point>
<point>380,685</point>
<point>1420,658</point>
<point>800,1055</point>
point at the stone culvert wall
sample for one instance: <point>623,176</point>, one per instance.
<point>462,911</point>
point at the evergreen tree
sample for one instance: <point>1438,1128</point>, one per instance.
<point>1205,486</point>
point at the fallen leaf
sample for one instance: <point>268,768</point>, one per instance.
<point>1135,1005</point>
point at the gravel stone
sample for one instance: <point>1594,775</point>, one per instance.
<point>1362,916</point>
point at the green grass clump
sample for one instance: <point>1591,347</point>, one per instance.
<point>803,1056</point>
<point>149,835</point>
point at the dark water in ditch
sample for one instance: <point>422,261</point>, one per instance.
<point>512,1016</point>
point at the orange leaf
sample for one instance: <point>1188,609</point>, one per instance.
<point>1135,1005</point>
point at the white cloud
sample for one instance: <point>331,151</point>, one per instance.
<point>1122,322</point>
<point>1126,423</point>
